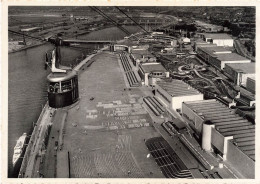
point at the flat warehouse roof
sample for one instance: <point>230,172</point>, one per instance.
<point>177,88</point>
<point>213,51</point>
<point>231,57</point>
<point>217,36</point>
<point>217,49</point>
<point>150,67</point>
<point>228,123</point>
<point>243,67</point>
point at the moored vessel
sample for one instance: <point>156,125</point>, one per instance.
<point>19,151</point>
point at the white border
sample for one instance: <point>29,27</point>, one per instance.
<point>4,83</point>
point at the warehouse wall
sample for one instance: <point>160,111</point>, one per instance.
<point>163,96</point>
<point>198,45</point>
<point>215,62</point>
<point>197,121</point>
<point>240,161</point>
<point>245,76</point>
<point>223,63</point>
<point>250,85</point>
<point>232,74</point>
<point>177,101</point>
<point>202,54</point>
<point>217,140</point>
<point>224,42</point>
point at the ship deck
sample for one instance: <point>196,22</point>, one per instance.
<point>102,137</point>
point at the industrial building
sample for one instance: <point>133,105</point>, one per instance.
<point>151,72</point>
<point>173,93</point>
<point>239,72</point>
<point>202,43</point>
<point>224,133</point>
<point>222,59</point>
<point>221,39</point>
<point>141,56</point>
<point>207,52</point>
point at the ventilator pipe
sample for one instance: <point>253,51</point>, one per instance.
<point>206,135</point>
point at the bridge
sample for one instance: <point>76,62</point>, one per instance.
<point>90,41</point>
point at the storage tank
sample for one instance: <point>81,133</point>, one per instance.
<point>206,135</point>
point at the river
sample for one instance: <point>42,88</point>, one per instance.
<point>27,89</point>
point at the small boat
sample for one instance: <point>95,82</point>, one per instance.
<point>19,148</point>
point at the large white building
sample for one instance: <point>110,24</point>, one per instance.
<point>151,72</point>
<point>207,52</point>
<point>221,39</point>
<point>228,135</point>
<point>222,59</point>
<point>173,93</point>
<point>201,43</point>
<point>239,72</point>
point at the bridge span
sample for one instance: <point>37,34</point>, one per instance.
<point>90,41</point>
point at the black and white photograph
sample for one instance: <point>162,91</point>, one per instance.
<point>150,92</point>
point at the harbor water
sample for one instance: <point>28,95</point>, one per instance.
<point>27,87</point>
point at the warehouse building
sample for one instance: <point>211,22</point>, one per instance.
<point>152,72</point>
<point>228,135</point>
<point>141,56</point>
<point>201,43</point>
<point>207,52</point>
<point>222,59</point>
<point>221,39</point>
<point>173,93</point>
<point>239,72</point>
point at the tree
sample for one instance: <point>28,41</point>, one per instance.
<point>235,30</point>
<point>226,23</point>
